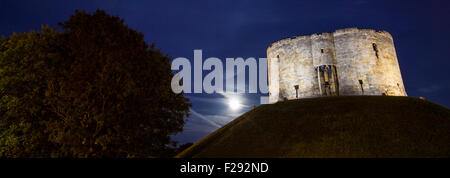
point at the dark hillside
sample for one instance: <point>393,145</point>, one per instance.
<point>353,126</point>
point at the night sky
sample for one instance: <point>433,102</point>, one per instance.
<point>421,32</point>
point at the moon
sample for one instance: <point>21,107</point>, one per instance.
<point>234,103</point>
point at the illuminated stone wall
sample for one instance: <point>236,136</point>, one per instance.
<point>361,62</point>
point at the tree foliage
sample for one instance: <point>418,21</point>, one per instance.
<point>96,89</point>
<point>26,62</point>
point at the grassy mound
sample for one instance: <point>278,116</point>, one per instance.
<point>351,126</point>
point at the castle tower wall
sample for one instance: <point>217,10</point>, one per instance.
<point>347,62</point>
<point>322,49</point>
<point>367,63</point>
<point>324,61</point>
<point>274,78</point>
<point>305,74</point>
<point>294,64</point>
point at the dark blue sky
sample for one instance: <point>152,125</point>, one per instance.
<point>232,28</point>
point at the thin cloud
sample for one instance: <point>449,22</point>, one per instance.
<point>207,100</point>
<point>204,118</point>
<point>431,89</point>
<point>200,125</point>
<point>224,100</point>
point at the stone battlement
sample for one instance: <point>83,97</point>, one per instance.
<point>335,33</point>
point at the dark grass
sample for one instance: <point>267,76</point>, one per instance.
<point>351,126</point>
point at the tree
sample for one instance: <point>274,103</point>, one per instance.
<point>108,93</point>
<point>26,62</point>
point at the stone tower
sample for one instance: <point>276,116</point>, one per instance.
<point>346,62</point>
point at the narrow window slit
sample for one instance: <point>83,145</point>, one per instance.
<point>361,84</point>
<point>375,48</point>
